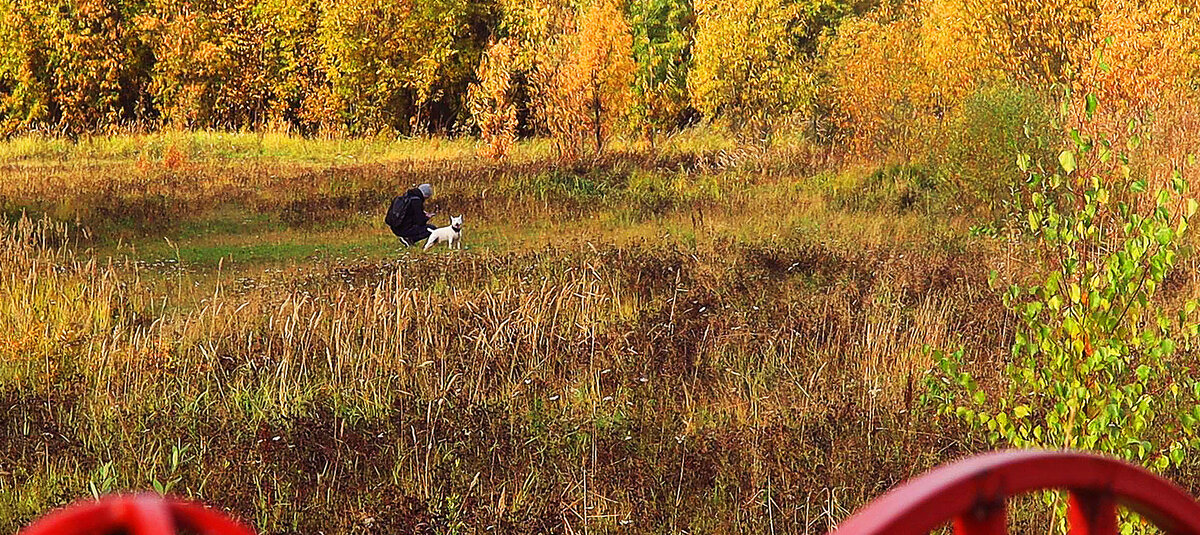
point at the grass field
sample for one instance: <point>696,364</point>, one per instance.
<point>702,337</point>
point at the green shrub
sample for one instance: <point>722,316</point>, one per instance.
<point>1098,359</point>
<point>651,193</point>
<point>998,123</point>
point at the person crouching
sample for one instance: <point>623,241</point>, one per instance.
<point>407,216</point>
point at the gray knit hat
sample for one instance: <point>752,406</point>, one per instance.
<point>426,190</point>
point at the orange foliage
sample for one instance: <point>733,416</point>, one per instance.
<point>749,67</point>
<point>1143,56</point>
<point>1141,52</point>
<point>1142,60</point>
<point>1137,57</point>
<point>582,92</point>
<point>949,51</point>
<point>1032,41</point>
<point>173,158</point>
<point>72,66</point>
<point>892,73</point>
<point>491,100</point>
<point>213,68</point>
<point>874,79</point>
<point>895,75</point>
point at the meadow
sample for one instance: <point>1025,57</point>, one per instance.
<point>731,266</point>
<point>708,337</point>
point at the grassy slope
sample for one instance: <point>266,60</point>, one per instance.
<point>750,317</point>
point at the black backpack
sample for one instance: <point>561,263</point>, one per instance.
<point>395,213</point>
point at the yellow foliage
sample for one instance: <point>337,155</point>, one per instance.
<point>899,80</point>
<point>1142,63</point>
<point>383,58</point>
<point>748,67</point>
<point>894,76</point>
<point>948,50</point>
<point>537,23</point>
<point>491,101</point>
<point>1141,53</point>
<point>1033,40</point>
<point>1129,53</point>
<point>582,85</point>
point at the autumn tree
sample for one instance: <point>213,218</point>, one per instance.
<point>1143,64</point>
<point>605,67</point>
<point>897,76</point>
<point>872,73</point>
<point>25,73</point>
<point>538,25</point>
<point>662,52</point>
<point>74,66</point>
<point>299,81</point>
<point>1033,41</point>
<point>491,100</point>
<point>753,58</point>
<point>1137,58</point>
<point>215,64</point>
<point>949,53</point>
<point>539,31</point>
<point>582,83</point>
<point>387,60</point>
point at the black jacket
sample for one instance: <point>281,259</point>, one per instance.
<point>414,226</point>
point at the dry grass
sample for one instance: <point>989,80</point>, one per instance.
<point>679,361</point>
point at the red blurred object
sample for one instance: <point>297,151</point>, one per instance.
<point>973,493</point>
<point>137,514</point>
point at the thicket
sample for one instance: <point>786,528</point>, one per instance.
<point>885,76</point>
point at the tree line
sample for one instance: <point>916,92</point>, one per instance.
<point>873,74</point>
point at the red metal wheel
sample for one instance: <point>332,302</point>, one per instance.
<point>138,514</point>
<point>973,494</point>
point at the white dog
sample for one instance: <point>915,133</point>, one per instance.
<point>451,235</point>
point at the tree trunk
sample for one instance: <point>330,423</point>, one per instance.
<point>597,111</point>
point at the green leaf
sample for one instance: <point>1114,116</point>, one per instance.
<point>1052,282</point>
<point>1023,162</point>
<point>1143,371</point>
<point>1067,160</point>
<point>1079,141</point>
<point>1091,104</point>
<point>979,397</point>
<point>1133,142</point>
<point>1163,236</point>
